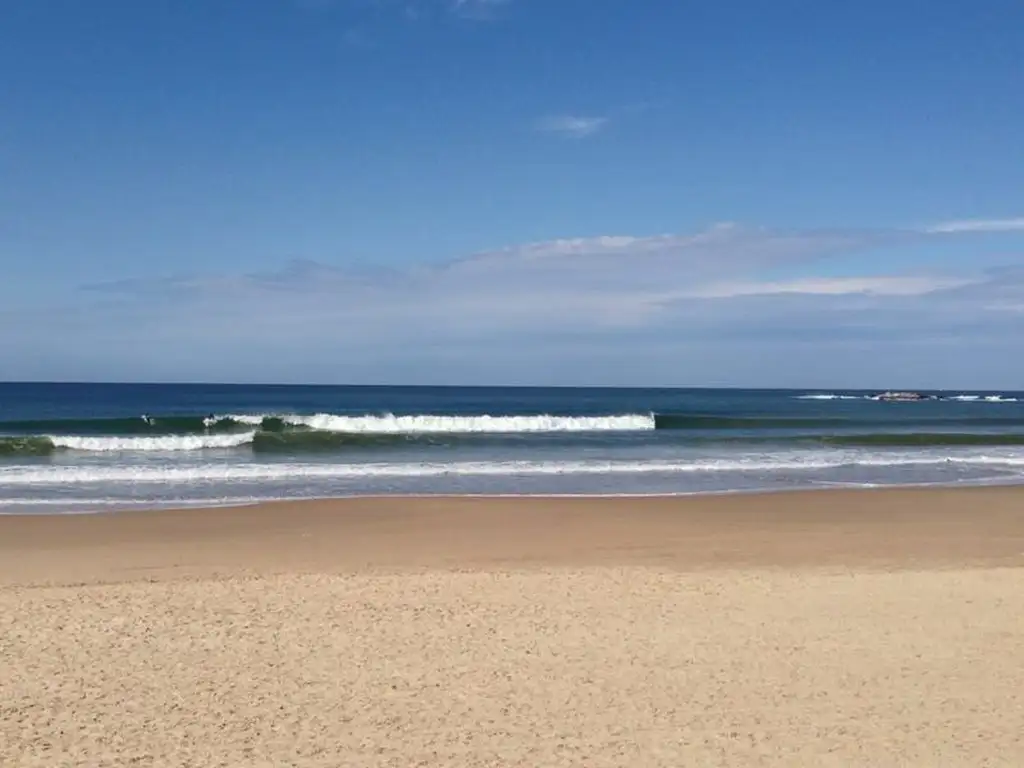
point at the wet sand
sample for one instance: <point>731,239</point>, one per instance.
<point>821,628</point>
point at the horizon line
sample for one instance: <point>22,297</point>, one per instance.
<point>680,387</point>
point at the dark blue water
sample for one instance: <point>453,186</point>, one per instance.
<point>75,447</point>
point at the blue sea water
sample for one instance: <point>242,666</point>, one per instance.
<point>89,447</point>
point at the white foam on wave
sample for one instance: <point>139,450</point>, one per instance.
<point>424,424</point>
<point>198,473</point>
<point>160,443</point>
<point>984,399</point>
<point>958,398</point>
<point>254,420</point>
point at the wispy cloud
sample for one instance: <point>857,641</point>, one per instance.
<point>595,307</point>
<point>571,126</point>
<point>899,285</point>
<point>978,225</point>
<point>604,281</point>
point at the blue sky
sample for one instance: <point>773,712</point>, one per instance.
<point>516,191</point>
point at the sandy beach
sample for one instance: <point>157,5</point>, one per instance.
<point>878,628</point>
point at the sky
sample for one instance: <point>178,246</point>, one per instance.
<point>550,192</point>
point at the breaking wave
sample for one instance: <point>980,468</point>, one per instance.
<point>983,399</point>
<point>45,445</point>
<point>163,443</point>
<point>322,431</point>
<point>383,423</point>
<point>423,424</point>
<point>953,398</point>
<point>132,425</point>
<point>311,441</point>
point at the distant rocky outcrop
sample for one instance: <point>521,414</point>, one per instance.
<point>901,397</point>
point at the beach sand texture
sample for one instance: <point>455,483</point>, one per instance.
<point>815,629</point>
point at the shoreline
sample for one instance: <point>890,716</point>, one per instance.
<point>104,508</point>
<point>854,627</point>
<point>889,528</point>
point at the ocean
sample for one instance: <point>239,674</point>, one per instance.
<point>73,448</point>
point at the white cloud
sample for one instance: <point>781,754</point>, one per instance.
<point>837,286</point>
<point>598,282</point>
<point>602,299</point>
<point>978,225</point>
<point>571,126</point>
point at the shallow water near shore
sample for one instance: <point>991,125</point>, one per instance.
<point>92,447</point>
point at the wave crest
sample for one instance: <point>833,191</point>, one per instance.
<point>162,443</point>
<point>389,423</point>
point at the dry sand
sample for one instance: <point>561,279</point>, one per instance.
<point>838,628</point>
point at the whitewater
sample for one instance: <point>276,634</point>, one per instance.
<point>166,443</point>
<point>63,475</point>
<point>387,424</point>
<point>87,448</point>
<point>420,424</point>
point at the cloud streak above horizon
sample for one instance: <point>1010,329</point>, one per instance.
<point>571,126</point>
<point>548,303</point>
<point>978,225</point>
